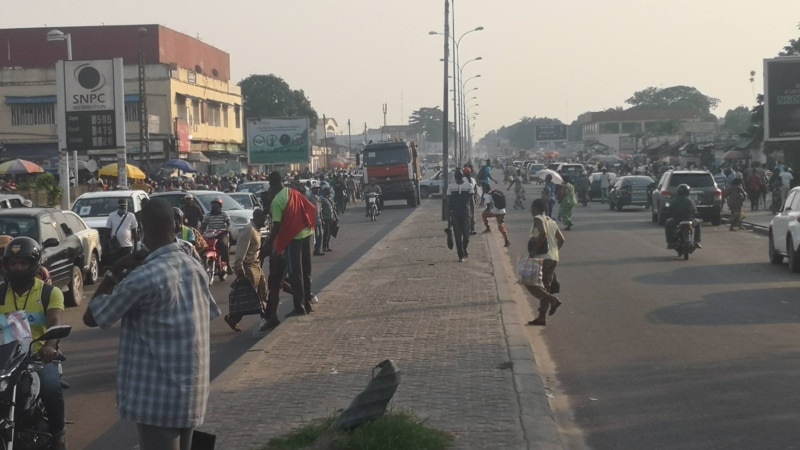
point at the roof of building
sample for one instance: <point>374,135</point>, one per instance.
<point>640,114</point>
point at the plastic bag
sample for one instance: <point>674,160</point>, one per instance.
<point>15,327</point>
<point>529,271</point>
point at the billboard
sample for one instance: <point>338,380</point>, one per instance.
<point>278,141</point>
<point>552,133</point>
<point>782,99</point>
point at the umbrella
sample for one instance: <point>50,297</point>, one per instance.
<point>19,167</point>
<point>112,171</point>
<point>180,164</point>
<point>545,172</point>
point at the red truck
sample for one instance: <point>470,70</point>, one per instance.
<point>395,167</point>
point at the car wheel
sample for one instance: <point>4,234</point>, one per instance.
<point>75,295</point>
<point>774,256</point>
<point>424,192</point>
<point>792,256</point>
<point>94,270</point>
<point>654,218</point>
<point>716,220</point>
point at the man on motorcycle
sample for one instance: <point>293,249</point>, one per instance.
<point>192,212</point>
<point>373,187</point>
<point>24,292</point>
<point>582,187</point>
<point>680,209</point>
<point>217,219</point>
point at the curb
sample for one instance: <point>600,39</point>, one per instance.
<point>264,343</point>
<point>754,227</point>
<point>536,416</point>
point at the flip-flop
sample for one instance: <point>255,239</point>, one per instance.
<point>554,306</point>
<point>537,323</point>
<point>234,326</point>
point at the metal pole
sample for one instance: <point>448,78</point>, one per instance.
<point>325,141</point>
<point>445,111</point>
<point>456,80</point>
<point>69,46</point>
<point>349,140</point>
<point>144,144</point>
<point>383,131</point>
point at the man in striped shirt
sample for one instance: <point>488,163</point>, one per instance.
<point>217,219</point>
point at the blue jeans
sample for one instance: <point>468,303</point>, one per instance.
<point>52,397</point>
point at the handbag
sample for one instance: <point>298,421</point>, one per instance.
<point>334,228</point>
<point>113,242</point>
<point>243,299</point>
<point>529,271</point>
<point>449,232</point>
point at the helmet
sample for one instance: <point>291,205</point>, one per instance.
<point>25,248</point>
<point>467,171</point>
<point>683,190</point>
<point>217,200</point>
<point>324,185</point>
<point>188,197</point>
<point>178,214</point>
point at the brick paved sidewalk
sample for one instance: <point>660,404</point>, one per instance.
<point>408,299</point>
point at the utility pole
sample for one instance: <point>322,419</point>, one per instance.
<point>144,144</point>
<point>445,111</point>
<point>383,131</point>
<point>349,140</point>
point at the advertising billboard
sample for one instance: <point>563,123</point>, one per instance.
<point>782,99</point>
<point>278,141</point>
<point>553,133</point>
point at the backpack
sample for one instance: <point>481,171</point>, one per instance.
<point>481,174</point>
<point>47,289</point>
<point>498,199</point>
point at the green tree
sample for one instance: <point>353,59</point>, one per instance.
<point>737,121</point>
<point>674,97</point>
<point>428,122</point>
<point>793,48</point>
<point>270,96</point>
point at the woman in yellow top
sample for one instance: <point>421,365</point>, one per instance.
<point>545,241</point>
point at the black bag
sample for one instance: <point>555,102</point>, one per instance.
<point>449,232</point>
<point>498,199</point>
<point>243,298</point>
<point>113,242</point>
<point>334,228</point>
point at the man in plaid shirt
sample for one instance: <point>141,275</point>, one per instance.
<point>165,306</point>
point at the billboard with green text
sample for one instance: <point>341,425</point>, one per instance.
<point>278,141</point>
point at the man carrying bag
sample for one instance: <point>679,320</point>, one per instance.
<point>249,291</point>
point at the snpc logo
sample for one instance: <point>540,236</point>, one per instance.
<point>93,83</point>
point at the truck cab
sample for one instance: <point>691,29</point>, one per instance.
<point>395,167</point>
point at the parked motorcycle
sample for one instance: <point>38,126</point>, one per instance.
<point>372,206</point>
<point>583,196</point>
<point>23,422</point>
<point>683,239</point>
<point>212,260</point>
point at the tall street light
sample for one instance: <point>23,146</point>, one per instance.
<point>63,176</point>
<point>445,124</point>
<point>463,100</point>
<point>462,124</point>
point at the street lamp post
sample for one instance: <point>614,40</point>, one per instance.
<point>445,124</point>
<point>463,100</point>
<point>58,36</point>
<point>144,138</point>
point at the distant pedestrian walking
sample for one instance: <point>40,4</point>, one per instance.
<point>492,211</point>
<point>568,201</point>
<point>460,199</point>
<point>735,196</point>
<point>544,242</point>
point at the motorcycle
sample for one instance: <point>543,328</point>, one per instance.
<point>777,200</point>
<point>683,238</point>
<point>23,422</point>
<point>212,260</point>
<point>372,206</point>
<point>583,196</point>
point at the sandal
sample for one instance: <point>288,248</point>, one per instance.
<point>554,306</point>
<point>538,322</point>
<point>234,326</point>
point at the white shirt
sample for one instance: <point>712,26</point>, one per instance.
<point>125,232</point>
<point>786,178</point>
<point>487,200</point>
<point>605,179</point>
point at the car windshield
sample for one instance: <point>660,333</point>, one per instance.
<point>19,226</point>
<point>695,180</point>
<point>243,199</point>
<point>228,203</point>
<point>384,156</point>
<point>255,188</point>
<point>638,181</point>
<point>96,206</point>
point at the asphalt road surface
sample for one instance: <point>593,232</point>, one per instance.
<point>92,353</point>
<point>651,351</point>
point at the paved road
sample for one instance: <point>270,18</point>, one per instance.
<point>92,353</point>
<point>650,351</point>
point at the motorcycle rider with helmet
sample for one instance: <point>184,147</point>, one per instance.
<point>21,262</point>
<point>192,212</point>
<point>219,220</point>
<point>680,209</point>
<point>373,187</point>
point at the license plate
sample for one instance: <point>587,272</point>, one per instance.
<point>696,198</point>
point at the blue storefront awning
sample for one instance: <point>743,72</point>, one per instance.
<point>10,100</point>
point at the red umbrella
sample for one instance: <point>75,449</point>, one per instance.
<point>19,167</point>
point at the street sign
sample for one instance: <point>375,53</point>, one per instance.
<point>782,99</point>
<point>92,102</point>
<point>278,141</point>
<point>551,133</point>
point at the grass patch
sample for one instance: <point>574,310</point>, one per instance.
<point>397,430</point>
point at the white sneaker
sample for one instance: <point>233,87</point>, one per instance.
<point>314,299</point>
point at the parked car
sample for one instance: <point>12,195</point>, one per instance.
<point>63,251</point>
<point>594,184</point>
<point>702,190</point>
<point>784,232</point>
<point>255,187</point>
<point>433,185</point>
<point>239,215</point>
<point>8,201</point>
<point>631,190</point>
<point>246,199</point>
<point>90,239</point>
<point>94,208</point>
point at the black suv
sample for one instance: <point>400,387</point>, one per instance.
<point>62,251</point>
<point>702,189</point>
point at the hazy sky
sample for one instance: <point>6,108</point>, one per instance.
<point>540,58</point>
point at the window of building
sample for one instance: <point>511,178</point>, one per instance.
<point>237,112</point>
<point>225,112</point>
<point>609,128</point>
<point>631,127</point>
<point>195,111</point>
<point>132,112</point>
<point>33,114</point>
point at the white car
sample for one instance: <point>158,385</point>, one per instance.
<point>94,208</point>
<point>784,232</point>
